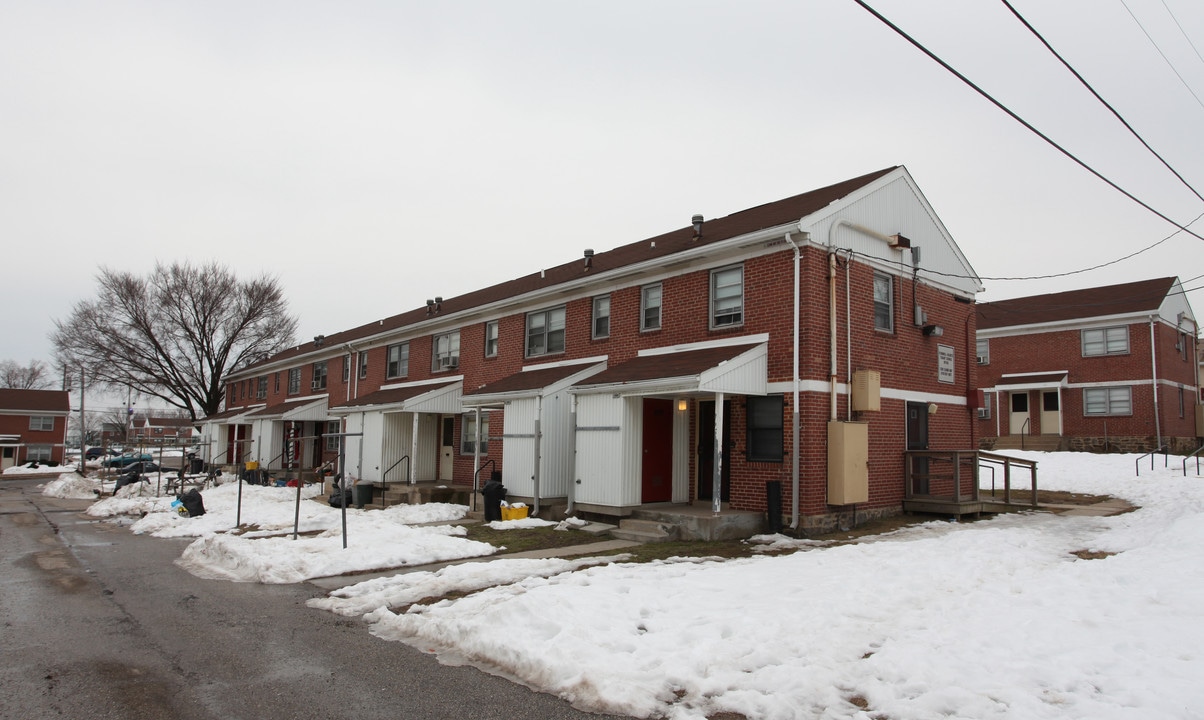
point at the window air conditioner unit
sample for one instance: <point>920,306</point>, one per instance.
<point>982,359</point>
<point>449,362</point>
<point>984,413</point>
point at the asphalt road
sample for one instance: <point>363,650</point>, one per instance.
<point>99,623</point>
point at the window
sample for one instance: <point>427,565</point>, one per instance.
<point>491,338</point>
<point>765,439</point>
<point>1108,401</point>
<point>1106,341</point>
<point>884,303</point>
<point>41,422</point>
<point>984,412</point>
<point>468,433</point>
<point>650,307</point>
<point>277,390</point>
<point>363,364</point>
<point>294,381</point>
<point>601,317</point>
<point>727,296</point>
<point>332,443</point>
<point>445,351</point>
<point>347,367</point>
<point>41,453</point>
<point>545,332</point>
<point>261,387</point>
<point>319,381</point>
<point>1182,346</point>
<point>983,351</point>
<point>1180,402</point>
<point>397,362</point>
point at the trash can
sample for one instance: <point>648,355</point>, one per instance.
<point>773,505</point>
<point>198,466</point>
<point>363,494</point>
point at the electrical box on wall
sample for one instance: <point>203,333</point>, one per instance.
<point>848,462</point>
<point>866,391</point>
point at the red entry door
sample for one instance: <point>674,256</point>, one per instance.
<point>656,468</point>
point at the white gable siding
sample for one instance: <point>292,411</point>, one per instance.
<point>518,447</point>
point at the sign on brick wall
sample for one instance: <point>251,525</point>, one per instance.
<point>944,363</point>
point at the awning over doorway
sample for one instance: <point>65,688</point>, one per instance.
<point>314,408</point>
<point>1032,381</point>
<point>237,416</point>
<point>531,382</point>
<point>736,369</point>
<point>423,397</point>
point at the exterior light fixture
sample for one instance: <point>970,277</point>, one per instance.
<point>697,222</point>
<point>683,405</point>
<point>933,331</point>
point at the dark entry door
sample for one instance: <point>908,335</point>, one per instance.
<point>917,439</point>
<point>656,468</point>
<point>706,451</point>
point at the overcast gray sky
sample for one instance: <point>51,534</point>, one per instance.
<point>374,154</point>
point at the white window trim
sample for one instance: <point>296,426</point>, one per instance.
<point>594,317</point>
<point>1107,391</point>
<point>547,331</point>
<point>403,367</point>
<point>982,351</point>
<point>890,302</point>
<point>468,432</point>
<point>660,307</point>
<point>1104,340</point>
<point>449,359</point>
<point>496,339</point>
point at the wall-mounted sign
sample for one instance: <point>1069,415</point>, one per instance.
<point>944,363</point>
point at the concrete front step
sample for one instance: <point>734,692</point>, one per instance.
<point>645,531</point>
<point>1041,443</point>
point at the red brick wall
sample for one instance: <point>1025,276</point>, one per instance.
<point>19,425</point>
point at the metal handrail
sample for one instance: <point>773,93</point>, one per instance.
<point>1007,462</point>
<point>385,483</point>
<point>476,480</point>
<point>1195,455</point>
<point>1165,460</point>
<point>1024,431</point>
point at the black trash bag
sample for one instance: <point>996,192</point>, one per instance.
<point>129,477</point>
<point>193,503</point>
<point>341,498</point>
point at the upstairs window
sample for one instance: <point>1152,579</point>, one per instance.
<point>294,381</point>
<point>545,332</point>
<point>982,349</point>
<point>1106,341</point>
<point>650,307</point>
<point>319,379</point>
<point>601,318</point>
<point>727,296</point>
<point>277,390</point>
<point>41,423</point>
<point>261,387</point>
<point>884,303</point>
<point>347,367</point>
<point>397,360</point>
<point>363,364</point>
<point>491,338</point>
<point>445,351</point>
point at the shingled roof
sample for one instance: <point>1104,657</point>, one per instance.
<point>47,401</point>
<point>715,230</point>
<point>1143,296</point>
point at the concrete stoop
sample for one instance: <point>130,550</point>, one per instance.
<point>1040,443</point>
<point>645,531</point>
<point>668,524</point>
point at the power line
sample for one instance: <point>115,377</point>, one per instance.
<point>1099,97</point>
<point>1181,30</point>
<point>1019,119</point>
<point>1164,57</point>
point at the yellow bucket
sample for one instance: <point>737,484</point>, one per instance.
<point>514,513</point>
<point>252,465</point>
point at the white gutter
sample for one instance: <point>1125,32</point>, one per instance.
<point>1154,384</point>
<point>794,409</point>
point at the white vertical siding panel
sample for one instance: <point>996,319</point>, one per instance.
<point>681,455</point>
<point>632,451</point>
<point>397,433</point>
<point>426,465</point>
<point>557,461</point>
<point>518,447</point>
<point>599,451</point>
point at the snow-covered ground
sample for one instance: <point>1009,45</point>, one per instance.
<point>992,619</point>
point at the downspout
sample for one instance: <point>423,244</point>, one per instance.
<point>538,442</point>
<point>1154,374</point>
<point>476,451</point>
<point>848,336</point>
<point>794,409</point>
<point>573,461</point>
<point>832,368</point>
<point>351,349</point>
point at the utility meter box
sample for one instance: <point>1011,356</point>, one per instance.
<point>866,391</point>
<point>848,462</point>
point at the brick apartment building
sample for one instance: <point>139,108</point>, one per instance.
<point>33,426</point>
<point>1106,368</point>
<point>802,341</point>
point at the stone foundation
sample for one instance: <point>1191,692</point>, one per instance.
<point>810,525</point>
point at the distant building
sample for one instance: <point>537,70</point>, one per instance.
<point>33,426</point>
<point>1112,368</point>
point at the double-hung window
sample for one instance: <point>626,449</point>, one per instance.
<point>332,428</point>
<point>397,360</point>
<point>601,318</point>
<point>491,335</point>
<point>650,307</point>
<point>363,355</point>
<point>38,452</point>
<point>445,351</point>
<point>294,381</point>
<point>884,303</point>
<point>276,384</point>
<point>347,367</point>
<point>545,332</point>
<point>982,348</point>
<point>765,422</point>
<point>261,387</point>
<point>41,422</point>
<point>1106,341</point>
<point>1108,401</point>
<point>727,296</point>
<point>319,380</point>
<point>468,434</point>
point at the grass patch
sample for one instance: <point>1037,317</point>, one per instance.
<point>524,539</point>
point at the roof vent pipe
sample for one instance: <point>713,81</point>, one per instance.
<point>697,222</point>
<point>589,258</point>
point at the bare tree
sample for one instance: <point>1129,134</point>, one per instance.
<point>24,377</point>
<point>174,334</point>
